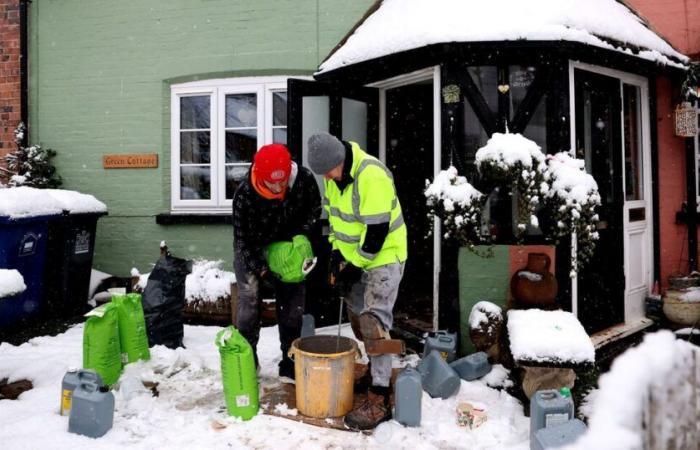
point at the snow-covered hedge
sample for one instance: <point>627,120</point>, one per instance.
<point>555,186</point>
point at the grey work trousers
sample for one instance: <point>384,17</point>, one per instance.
<point>376,293</point>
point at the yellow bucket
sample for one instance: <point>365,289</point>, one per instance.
<point>324,368</point>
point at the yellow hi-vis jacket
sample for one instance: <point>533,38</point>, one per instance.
<point>369,199</point>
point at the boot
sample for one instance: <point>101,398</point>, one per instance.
<point>365,381</point>
<point>372,412</point>
<point>286,369</point>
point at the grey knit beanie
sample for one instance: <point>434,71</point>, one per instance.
<point>325,153</point>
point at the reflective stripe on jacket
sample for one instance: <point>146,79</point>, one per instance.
<point>369,199</point>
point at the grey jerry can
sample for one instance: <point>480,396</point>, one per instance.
<point>71,380</point>
<point>92,413</point>
<point>550,407</point>
<point>408,392</point>
<point>442,341</point>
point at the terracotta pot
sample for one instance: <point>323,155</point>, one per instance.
<point>534,286</point>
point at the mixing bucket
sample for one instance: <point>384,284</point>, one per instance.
<point>324,368</point>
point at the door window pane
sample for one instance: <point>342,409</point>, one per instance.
<point>355,122</point>
<point>634,172</point>
<point>194,112</point>
<point>195,182</point>
<point>536,128</point>
<point>195,147</point>
<point>279,135</point>
<point>520,79</point>
<point>241,145</point>
<point>241,110</point>
<point>486,79</point>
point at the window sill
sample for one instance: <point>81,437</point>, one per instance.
<point>193,219</point>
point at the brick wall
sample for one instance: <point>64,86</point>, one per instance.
<point>10,113</point>
<point>676,20</point>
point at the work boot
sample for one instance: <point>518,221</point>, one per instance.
<point>372,412</point>
<point>286,368</point>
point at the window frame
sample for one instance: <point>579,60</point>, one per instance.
<point>217,89</point>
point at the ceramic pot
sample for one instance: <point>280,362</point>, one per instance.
<point>534,286</point>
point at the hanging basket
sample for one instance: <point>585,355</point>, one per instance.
<point>686,120</point>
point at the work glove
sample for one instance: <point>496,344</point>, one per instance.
<point>337,262</point>
<point>347,276</point>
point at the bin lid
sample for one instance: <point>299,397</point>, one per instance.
<point>29,204</point>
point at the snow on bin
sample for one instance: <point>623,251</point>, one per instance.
<point>71,246</point>
<point>24,217</point>
<point>11,287</point>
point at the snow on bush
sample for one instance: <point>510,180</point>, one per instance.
<point>458,204</point>
<point>11,283</point>
<point>573,199</point>
<point>662,370</point>
<point>30,166</point>
<point>484,312</point>
<point>518,162</point>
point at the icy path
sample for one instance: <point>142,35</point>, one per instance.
<point>191,398</point>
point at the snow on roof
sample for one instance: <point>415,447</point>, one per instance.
<point>11,283</point>
<point>400,25</point>
<point>548,336</point>
<point>22,202</point>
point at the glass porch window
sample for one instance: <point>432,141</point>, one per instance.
<point>241,130</point>
<point>634,172</point>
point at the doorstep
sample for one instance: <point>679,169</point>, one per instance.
<point>620,331</point>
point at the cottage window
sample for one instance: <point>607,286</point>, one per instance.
<point>216,128</point>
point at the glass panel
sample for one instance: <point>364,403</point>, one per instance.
<point>536,128</point>
<point>279,136</point>
<point>194,112</point>
<point>355,122</point>
<point>195,183</point>
<point>486,79</point>
<point>315,118</point>
<point>520,79</point>
<point>475,137</point>
<point>194,147</point>
<point>279,108</point>
<point>241,110</point>
<point>633,144</point>
<point>241,145</point>
<point>234,176</point>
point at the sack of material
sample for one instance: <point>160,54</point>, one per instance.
<point>238,374</point>
<point>291,260</point>
<point>164,300</point>
<point>132,328</point>
<point>101,349</point>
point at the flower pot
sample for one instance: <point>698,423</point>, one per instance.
<point>534,286</point>
<point>680,311</point>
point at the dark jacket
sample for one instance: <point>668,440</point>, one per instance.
<point>258,221</point>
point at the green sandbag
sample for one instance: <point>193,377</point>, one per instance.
<point>238,374</point>
<point>132,328</point>
<point>290,260</point>
<point>101,351</point>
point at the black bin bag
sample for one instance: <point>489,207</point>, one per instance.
<point>164,300</point>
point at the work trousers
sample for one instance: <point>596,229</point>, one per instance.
<point>376,293</point>
<point>289,302</point>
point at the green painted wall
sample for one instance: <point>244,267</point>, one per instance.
<point>99,77</point>
<point>481,279</point>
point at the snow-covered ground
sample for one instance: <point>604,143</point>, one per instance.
<point>191,399</point>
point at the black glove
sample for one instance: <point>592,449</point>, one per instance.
<point>348,276</point>
<point>336,263</point>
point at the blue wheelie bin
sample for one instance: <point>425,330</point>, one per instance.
<point>23,247</point>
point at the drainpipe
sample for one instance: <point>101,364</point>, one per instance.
<point>23,64</point>
<point>692,204</point>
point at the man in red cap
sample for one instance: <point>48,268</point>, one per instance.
<point>277,200</point>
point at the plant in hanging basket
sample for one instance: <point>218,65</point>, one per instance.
<point>518,163</point>
<point>458,205</point>
<point>572,198</point>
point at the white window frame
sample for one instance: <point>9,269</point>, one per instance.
<point>264,88</point>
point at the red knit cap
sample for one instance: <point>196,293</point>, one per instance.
<point>272,163</point>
